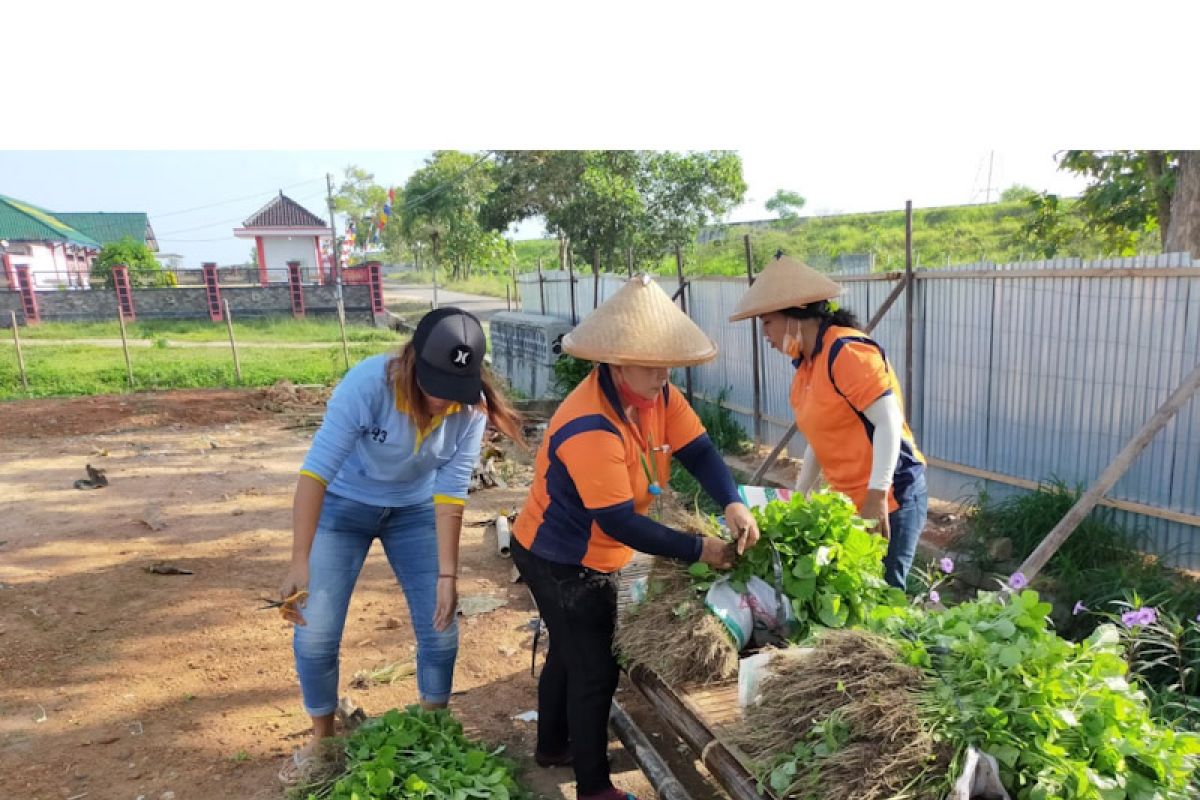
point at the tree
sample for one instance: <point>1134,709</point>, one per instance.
<point>1016,193</point>
<point>686,191</point>
<point>144,269</point>
<point>444,199</point>
<point>361,200</point>
<point>1183,232</point>
<point>1051,228</point>
<point>786,204</point>
<point>1129,194</point>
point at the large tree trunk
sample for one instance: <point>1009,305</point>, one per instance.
<point>1155,166</point>
<point>1183,233</point>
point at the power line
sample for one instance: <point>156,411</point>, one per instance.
<point>232,200</point>
<point>306,198</point>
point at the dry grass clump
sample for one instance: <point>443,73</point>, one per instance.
<point>873,745</point>
<point>672,632</point>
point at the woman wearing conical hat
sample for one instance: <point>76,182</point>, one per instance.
<point>847,404</point>
<point>605,455</point>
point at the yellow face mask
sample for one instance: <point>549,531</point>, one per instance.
<point>793,343</point>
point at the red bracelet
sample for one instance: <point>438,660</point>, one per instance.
<point>444,575</point>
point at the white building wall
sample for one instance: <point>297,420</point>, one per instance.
<point>278,250</point>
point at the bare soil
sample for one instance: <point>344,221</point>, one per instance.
<point>116,682</point>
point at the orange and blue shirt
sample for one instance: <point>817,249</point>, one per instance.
<point>591,489</point>
<point>849,371</point>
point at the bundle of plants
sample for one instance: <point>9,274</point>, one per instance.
<point>823,558</point>
<point>1060,717</point>
<point>839,719</point>
<point>411,754</point>
<point>671,631</point>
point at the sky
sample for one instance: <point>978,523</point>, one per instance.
<point>196,198</point>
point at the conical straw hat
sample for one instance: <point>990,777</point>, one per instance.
<point>785,283</point>
<point>640,326</point>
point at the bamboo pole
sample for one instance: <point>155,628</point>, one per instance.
<point>908,310</point>
<point>757,384</point>
<point>12,315</point>
<point>541,286</point>
<point>712,753</point>
<point>1112,473</point>
<point>791,431</point>
<point>125,346</point>
<point>683,306</point>
<point>341,317</point>
<point>237,364</point>
<point>665,784</point>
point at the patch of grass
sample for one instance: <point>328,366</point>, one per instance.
<point>83,370</point>
<point>252,329</point>
<point>722,428</point>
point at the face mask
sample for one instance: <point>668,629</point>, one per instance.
<point>632,398</point>
<point>793,344</point>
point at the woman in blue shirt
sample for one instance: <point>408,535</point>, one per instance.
<point>392,460</point>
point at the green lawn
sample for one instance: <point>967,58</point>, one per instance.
<point>265,329</point>
<point>85,369</point>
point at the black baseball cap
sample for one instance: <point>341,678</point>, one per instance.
<point>450,346</point>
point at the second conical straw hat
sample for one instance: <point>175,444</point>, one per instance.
<point>785,283</point>
<point>640,326</point>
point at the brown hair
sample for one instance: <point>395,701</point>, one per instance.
<point>402,377</point>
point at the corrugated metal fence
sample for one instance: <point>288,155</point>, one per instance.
<point>1023,372</point>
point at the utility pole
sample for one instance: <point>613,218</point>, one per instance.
<point>987,198</point>
<point>334,247</point>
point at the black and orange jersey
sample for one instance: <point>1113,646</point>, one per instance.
<point>593,473</point>
<point>848,372</point>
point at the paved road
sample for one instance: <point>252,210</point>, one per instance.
<point>481,306</point>
<point>174,344</point>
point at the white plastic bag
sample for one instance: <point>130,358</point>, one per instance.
<point>979,779</point>
<point>760,605</point>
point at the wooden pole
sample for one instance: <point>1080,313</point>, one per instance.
<point>665,784</point>
<point>757,384</point>
<point>541,286</point>
<point>712,753</point>
<point>908,311</point>
<point>629,260</point>
<point>341,315</point>
<point>12,315</point>
<point>1112,473</point>
<point>791,431</point>
<point>125,346</point>
<point>595,278</point>
<point>507,298</point>
<point>237,364</point>
<point>571,284</point>
<point>683,306</point>
<point>516,287</point>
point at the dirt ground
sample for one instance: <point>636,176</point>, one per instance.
<point>116,682</point>
<point>120,683</point>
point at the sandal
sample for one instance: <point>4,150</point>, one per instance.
<point>296,768</point>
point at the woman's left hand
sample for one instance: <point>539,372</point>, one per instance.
<point>447,603</point>
<point>875,507</point>
<point>741,524</point>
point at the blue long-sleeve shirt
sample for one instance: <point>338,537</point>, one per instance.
<point>368,448</point>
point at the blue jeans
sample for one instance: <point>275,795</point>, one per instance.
<point>344,535</point>
<point>906,523</point>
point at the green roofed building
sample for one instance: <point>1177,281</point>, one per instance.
<point>59,248</point>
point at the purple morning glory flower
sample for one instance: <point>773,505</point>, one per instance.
<point>934,597</point>
<point>1149,615</point>
<point>1018,580</point>
<point>1131,618</point>
<point>947,565</point>
<point>1140,616</point>
<point>1078,609</point>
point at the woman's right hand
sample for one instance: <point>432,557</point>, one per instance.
<point>294,582</point>
<point>718,553</point>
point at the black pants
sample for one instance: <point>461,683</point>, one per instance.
<point>579,606</point>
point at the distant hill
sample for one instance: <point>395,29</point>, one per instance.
<point>941,235</point>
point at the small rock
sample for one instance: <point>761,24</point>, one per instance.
<point>169,795</point>
<point>508,651</point>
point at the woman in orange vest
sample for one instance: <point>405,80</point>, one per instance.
<point>847,404</point>
<point>605,457</point>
